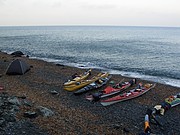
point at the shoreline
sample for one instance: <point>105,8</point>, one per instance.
<point>75,115</point>
<point>157,79</point>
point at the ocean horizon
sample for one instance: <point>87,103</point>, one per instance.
<point>149,53</point>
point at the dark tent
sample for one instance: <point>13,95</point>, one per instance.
<point>17,67</point>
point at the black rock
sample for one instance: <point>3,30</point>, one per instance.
<point>17,53</point>
<point>22,97</point>
<point>116,126</point>
<point>27,103</point>
<point>126,130</point>
<point>30,114</point>
<point>45,111</point>
<point>2,122</point>
<point>60,65</point>
<point>9,117</point>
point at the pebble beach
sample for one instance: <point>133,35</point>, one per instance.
<point>42,86</point>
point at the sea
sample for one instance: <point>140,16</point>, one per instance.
<point>149,53</point>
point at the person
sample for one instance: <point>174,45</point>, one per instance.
<point>74,75</point>
<point>139,86</point>
<point>133,81</point>
<point>96,96</point>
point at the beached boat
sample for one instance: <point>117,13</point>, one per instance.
<point>128,95</point>
<point>83,83</point>
<point>159,110</point>
<point>94,85</point>
<point>168,103</point>
<point>77,78</point>
<point>173,100</point>
<point>111,90</point>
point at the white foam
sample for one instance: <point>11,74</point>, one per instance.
<point>86,65</point>
<point>48,59</point>
<point>162,80</point>
<point>173,82</point>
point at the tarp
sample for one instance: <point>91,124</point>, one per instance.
<point>17,67</point>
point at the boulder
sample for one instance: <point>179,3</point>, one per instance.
<point>44,111</point>
<point>17,53</point>
<point>14,101</point>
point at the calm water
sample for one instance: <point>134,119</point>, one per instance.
<point>151,53</point>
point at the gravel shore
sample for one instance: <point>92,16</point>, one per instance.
<point>74,115</point>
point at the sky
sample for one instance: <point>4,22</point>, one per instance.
<point>90,12</point>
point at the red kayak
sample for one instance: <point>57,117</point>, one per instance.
<point>111,90</point>
<point>128,95</point>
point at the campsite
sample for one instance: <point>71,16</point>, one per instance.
<point>17,67</point>
<point>40,85</point>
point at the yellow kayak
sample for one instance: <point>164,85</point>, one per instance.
<point>78,78</point>
<point>83,83</point>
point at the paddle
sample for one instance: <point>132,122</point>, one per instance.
<point>119,83</point>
